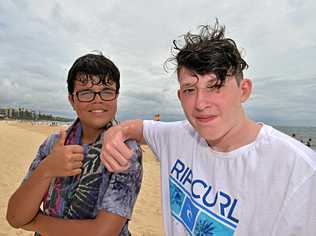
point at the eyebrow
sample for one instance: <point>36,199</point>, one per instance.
<point>188,84</point>
<point>90,89</point>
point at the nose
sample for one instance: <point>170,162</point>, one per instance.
<point>97,98</point>
<point>202,101</point>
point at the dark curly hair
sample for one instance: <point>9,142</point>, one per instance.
<point>93,65</point>
<point>208,52</point>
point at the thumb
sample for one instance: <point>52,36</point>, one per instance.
<point>62,137</point>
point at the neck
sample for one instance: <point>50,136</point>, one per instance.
<point>90,135</point>
<point>242,134</point>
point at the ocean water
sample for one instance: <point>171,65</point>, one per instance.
<point>301,133</point>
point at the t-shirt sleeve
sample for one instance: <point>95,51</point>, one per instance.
<point>42,152</point>
<point>156,135</point>
<point>123,188</point>
<point>298,216</point>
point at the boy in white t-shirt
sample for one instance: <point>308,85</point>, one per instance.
<point>221,172</point>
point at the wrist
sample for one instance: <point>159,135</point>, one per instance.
<point>132,129</point>
<point>124,127</point>
<point>43,171</point>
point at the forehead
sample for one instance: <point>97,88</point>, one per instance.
<point>187,77</point>
<point>92,81</point>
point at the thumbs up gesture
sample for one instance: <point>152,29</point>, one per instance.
<point>64,160</point>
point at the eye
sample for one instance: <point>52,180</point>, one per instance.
<point>188,91</point>
<point>108,92</point>
<point>211,88</point>
<point>85,92</point>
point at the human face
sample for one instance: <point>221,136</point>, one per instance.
<point>214,112</point>
<point>96,113</point>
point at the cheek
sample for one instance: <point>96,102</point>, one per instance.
<point>185,108</point>
<point>112,107</point>
<point>230,107</point>
<point>79,107</point>
<point>187,105</point>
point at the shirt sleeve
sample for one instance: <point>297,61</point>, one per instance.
<point>158,135</point>
<point>42,152</point>
<point>121,193</point>
<point>298,216</point>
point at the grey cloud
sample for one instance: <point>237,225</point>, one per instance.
<point>284,99</point>
<point>39,41</point>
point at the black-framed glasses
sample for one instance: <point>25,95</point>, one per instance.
<point>89,95</point>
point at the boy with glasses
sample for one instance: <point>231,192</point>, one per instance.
<point>221,172</point>
<point>79,195</point>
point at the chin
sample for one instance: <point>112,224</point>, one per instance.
<point>208,133</point>
<point>102,124</point>
<point>98,124</point>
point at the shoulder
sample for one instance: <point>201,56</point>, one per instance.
<point>178,126</point>
<point>46,147</point>
<point>288,146</point>
<point>51,140</point>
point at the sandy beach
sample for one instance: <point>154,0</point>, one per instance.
<point>19,143</point>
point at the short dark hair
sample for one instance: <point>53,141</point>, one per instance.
<point>208,52</point>
<point>93,65</point>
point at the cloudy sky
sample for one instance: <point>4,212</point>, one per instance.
<point>39,40</point>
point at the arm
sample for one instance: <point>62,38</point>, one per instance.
<point>115,153</point>
<point>298,216</point>
<point>104,224</point>
<point>132,129</point>
<point>25,203</point>
<point>118,199</point>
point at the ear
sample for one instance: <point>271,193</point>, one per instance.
<point>246,89</point>
<point>179,96</point>
<point>71,101</point>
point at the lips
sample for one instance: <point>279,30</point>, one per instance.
<point>205,118</point>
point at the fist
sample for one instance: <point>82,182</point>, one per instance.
<point>64,160</point>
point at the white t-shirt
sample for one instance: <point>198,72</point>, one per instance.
<point>267,187</point>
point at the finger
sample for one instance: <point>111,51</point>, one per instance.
<point>115,140</point>
<point>76,164</point>
<point>76,149</point>
<point>112,165</point>
<point>113,153</point>
<point>124,151</point>
<point>77,157</point>
<point>106,164</point>
<point>62,137</point>
<point>75,172</point>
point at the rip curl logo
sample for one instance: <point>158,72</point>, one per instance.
<point>195,209</point>
<point>189,213</point>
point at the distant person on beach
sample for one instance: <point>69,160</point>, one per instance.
<point>157,117</point>
<point>309,142</point>
<point>79,195</point>
<point>222,173</point>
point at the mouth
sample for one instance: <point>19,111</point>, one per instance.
<point>205,119</point>
<point>98,111</point>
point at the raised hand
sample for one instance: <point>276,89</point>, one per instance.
<point>64,160</point>
<point>115,153</point>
